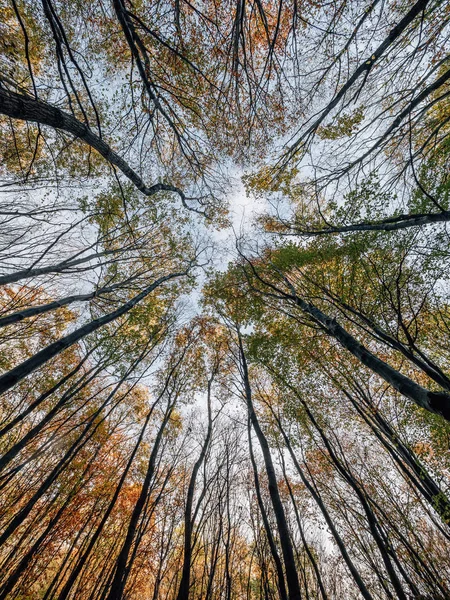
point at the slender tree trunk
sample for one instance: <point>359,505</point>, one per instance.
<point>122,568</point>
<point>9,379</point>
<point>370,515</point>
<point>340,543</point>
<point>302,534</point>
<point>85,555</point>
<point>283,530</point>
<point>410,351</point>
<point>262,510</point>
<point>406,461</point>
<point>26,108</point>
<point>123,563</point>
<point>389,224</point>
<point>33,550</point>
<point>183,590</point>
<point>6,428</point>
<point>69,455</point>
<point>436,402</point>
<point>63,266</point>
<point>10,454</point>
<point>363,69</point>
<point>44,308</point>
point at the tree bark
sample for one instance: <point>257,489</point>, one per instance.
<point>436,402</point>
<point>9,379</point>
<point>283,530</point>
<point>340,543</point>
<point>26,108</point>
<point>262,510</point>
<point>26,313</point>
<point>183,590</point>
<point>122,568</point>
<point>389,224</point>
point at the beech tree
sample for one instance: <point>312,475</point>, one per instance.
<point>192,413</point>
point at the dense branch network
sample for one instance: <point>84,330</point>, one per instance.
<point>189,416</point>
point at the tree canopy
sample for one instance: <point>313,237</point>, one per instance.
<point>200,401</point>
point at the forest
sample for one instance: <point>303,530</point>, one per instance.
<point>225,300</point>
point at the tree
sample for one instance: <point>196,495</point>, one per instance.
<point>187,414</point>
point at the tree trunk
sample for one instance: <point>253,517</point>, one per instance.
<point>9,379</point>
<point>262,510</point>
<point>26,108</point>
<point>283,530</point>
<point>183,590</point>
<point>436,402</point>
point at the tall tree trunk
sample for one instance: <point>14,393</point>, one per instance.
<point>436,402</point>
<point>65,398</point>
<point>9,379</point>
<point>334,532</point>
<point>389,224</point>
<point>26,313</point>
<point>86,553</point>
<point>183,590</point>
<point>69,455</point>
<point>362,70</point>
<point>66,265</point>
<point>122,568</point>
<point>302,534</point>
<point>26,108</point>
<point>283,530</point>
<point>262,510</point>
<point>415,472</point>
<point>361,494</point>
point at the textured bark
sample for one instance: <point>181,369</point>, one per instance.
<point>63,266</point>
<point>33,311</point>
<point>122,568</point>
<point>69,455</point>
<point>389,224</point>
<point>26,108</point>
<point>409,350</point>
<point>361,494</point>
<point>415,472</point>
<point>339,541</point>
<point>302,534</point>
<point>4,430</point>
<point>35,547</point>
<point>262,510</point>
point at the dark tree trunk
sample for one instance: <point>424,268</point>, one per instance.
<point>123,567</point>
<point>26,108</point>
<point>302,534</point>
<point>9,379</point>
<point>408,463</point>
<point>85,555</point>
<point>183,590</point>
<point>26,313</point>
<point>340,543</point>
<point>389,224</point>
<point>262,510</point>
<point>436,402</point>
<point>283,530</point>
<point>362,70</point>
